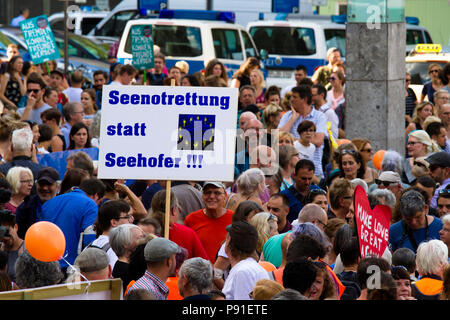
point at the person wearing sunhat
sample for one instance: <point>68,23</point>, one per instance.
<point>439,171</point>
<point>160,255</point>
<point>209,223</point>
<point>390,180</point>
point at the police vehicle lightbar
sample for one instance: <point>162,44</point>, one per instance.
<point>412,20</point>
<point>226,16</point>
<point>342,19</point>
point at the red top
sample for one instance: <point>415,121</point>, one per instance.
<point>211,232</point>
<point>187,238</point>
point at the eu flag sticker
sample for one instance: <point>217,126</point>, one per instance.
<point>196,132</point>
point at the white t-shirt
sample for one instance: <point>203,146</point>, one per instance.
<point>73,94</point>
<point>100,242</point>
<point>242,279</point>
<point>305,152</point>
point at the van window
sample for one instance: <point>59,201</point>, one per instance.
<point>428,37</point>
<point>414,36</point>
<point>115,25</point>
<point>57,24</point>
<point>285,40</point>
<point>335,38</point>
<point>227,44</point>
<point>250,50</point>
<point>87,24</point>
<point>178,41</point>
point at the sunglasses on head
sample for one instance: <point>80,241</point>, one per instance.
<point>348,151</point>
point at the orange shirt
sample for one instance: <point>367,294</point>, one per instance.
<point>211,232</point>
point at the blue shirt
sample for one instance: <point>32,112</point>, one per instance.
<point>72,212</point>
<point>399,239</point>
<point>296,201</point>
<point>320,122</point>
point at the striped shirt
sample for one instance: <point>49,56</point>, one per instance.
<point>153,284</point>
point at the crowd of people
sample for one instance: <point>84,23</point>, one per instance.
<point>284,229</point>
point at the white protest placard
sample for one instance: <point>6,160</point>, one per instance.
<point>168,133</point>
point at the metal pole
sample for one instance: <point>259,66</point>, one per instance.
<point>66,38</point>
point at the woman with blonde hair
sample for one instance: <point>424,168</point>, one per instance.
<point>272,116</point>
<point>435,83</point>
<point>365,149</point>
<point>257,81</point>
<point>422,111</point>
<point>250,185</point>
<point>285,138</point>
<point>418,144</point>
<point>266,225</point>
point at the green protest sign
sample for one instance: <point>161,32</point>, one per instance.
<point>39,39</point>
<point>142,46</point>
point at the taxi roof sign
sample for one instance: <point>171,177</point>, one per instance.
<point>428,48</point>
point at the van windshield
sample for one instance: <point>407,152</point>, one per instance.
<point>288,41</point>
<point>335,38</point>
<point>178,41</point>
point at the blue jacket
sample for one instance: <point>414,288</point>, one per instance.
<point>72,212</point>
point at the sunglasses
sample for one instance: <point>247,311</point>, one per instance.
<point>33,90</point>
<point>444,191</point>
<point>367,150</point>
<point>384,183</point>
<point>420,164</point>
<point>432,71</point>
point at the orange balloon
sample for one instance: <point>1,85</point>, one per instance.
<point>45,241</point>
<point>343,141</point>
<point>267,266</point>
<point>378,158</point>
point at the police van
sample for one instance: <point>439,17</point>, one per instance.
<point>298,40</point>
<point>293,39</point>
<point>181,37</point>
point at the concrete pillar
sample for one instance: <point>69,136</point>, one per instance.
<point>375,75</point>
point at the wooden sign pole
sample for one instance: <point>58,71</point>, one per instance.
<point>168,189</point>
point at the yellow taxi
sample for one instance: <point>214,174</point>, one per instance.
<point>419,59</point>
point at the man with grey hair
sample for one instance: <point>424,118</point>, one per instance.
<point>195,279</point>
<point>159,253</point>
<point>416,226</point>
<point>73,112</point>
<point>22,152</point>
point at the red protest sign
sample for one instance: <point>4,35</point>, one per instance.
<point>373,225</point>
